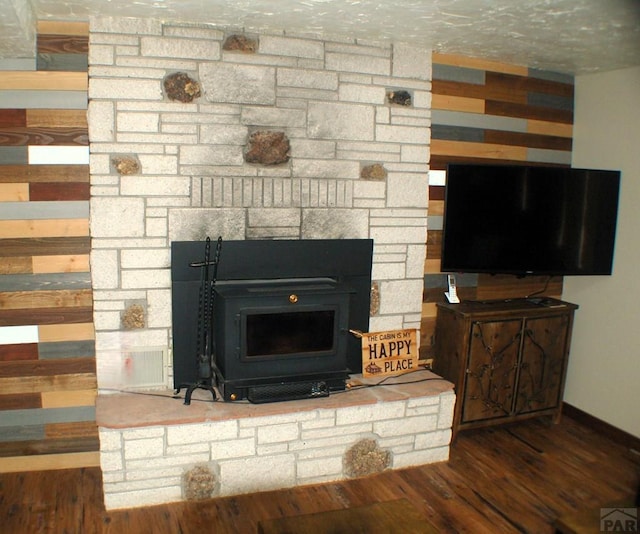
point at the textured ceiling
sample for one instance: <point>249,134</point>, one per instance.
<point>570,36</point>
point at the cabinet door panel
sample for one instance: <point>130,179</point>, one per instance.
<point>490,376</point>
<point>542,367</point>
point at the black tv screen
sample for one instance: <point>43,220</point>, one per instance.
<point>529,220</point>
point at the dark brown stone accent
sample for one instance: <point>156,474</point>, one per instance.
<point>373,172</point>
<point>402,98</point>
<point>366,458</point>
<point>133,318</point>
<point>179,86</point>
<point>126,165</point>
<point>199,483</point>
<point>240,43</point>
<point>267,148</point>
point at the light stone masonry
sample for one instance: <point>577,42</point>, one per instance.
<point>285,46</point>
<point>357,63</point>
<point>328,95</point>
<point>179,48</point>
<point>307,79</point>
<point>124,88</point>
<point>125,25</point>
<point>306,445</point>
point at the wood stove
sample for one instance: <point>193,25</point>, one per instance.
<point>282,311</point>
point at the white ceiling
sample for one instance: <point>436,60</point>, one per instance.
<point>569,36</point>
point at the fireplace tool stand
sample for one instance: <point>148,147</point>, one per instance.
<point>205,349</point>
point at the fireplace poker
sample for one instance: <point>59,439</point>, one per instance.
<point>205,348</point>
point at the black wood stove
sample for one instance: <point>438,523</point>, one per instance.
<point>280,316</point>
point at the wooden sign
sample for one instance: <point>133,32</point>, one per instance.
<point>390,353</point>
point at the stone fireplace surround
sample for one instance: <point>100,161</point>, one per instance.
<point>330,96</point>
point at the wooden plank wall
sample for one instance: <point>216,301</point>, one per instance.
<point>488,112</point>
<point>47,348</point>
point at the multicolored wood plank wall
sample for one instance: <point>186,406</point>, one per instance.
<point>47,348</point>
<point>488,112</point>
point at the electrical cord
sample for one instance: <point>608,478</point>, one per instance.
<point>383,382</point>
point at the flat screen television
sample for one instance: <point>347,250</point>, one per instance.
<point>523,220</point>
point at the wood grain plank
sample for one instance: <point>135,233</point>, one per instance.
<point>65,399</point>
<point>551,87</point>
<point>57,27</point>
<point>44,228</point>
<point>27,136</point>
<point>529,140</point>
<point>457,103</point>
<point>56,118</point>
<point>448,88</point>
<point>37,384</point>
<point>13,117</point>
<point>440,161</point>
<point>427,336</point>
<point>499,81</point>
<point>453,149</point>
<point>63,44</point>
<point>66,332</point>
<point>434,244</point>
<point>507,286</point>
<point>17,265</point>
<point>24,401</point>
<point>67,349</point>
<point>62,298</point>
<point>18,352</point>
<point>506,87</point>
<point>78,429</point>
<point>62,62</point>
<point>432,266</point>
<point>59,191</point>
<point>46,246</point>
<point>38,80</point>
<point>436,192</point>
<point>550,128</point>
<point>512,109</point>
<point>42,316</point>
<point>44,462</point>
<point>429,309</point>
<point>45,282</point>
<point>44,173</point>
<point>14,192</point>
<point>436,208</point>
<point>478,63</point>
<point>47,368</point>
<point>76,263</point>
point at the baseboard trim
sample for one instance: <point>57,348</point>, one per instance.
<point>619,436</point>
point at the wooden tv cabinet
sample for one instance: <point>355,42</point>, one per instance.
<point>507,359</point>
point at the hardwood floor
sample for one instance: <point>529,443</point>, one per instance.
<point>519,478</point>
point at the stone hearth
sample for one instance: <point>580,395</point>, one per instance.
<point>148,443</point>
